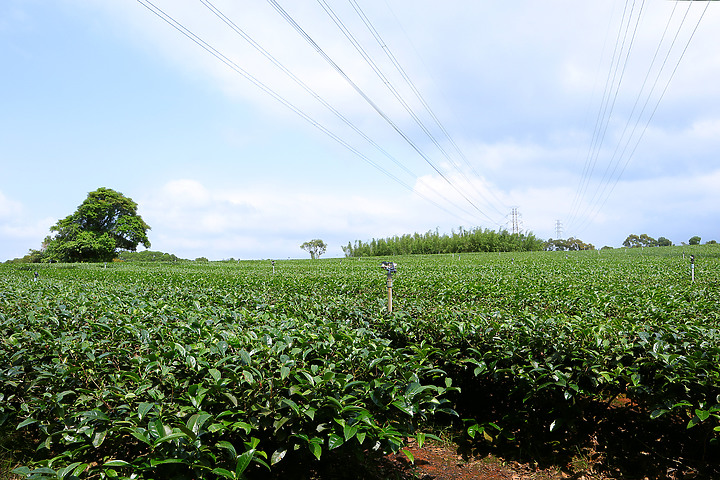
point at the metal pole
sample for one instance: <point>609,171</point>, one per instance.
<point>692,268</point>
<point>390,269</point>
<point>389,285</point>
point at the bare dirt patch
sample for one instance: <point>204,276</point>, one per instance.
<point>442,462</point>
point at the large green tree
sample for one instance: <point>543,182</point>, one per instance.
<point>107,221</point>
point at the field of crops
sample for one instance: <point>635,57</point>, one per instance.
<point>231,370</point>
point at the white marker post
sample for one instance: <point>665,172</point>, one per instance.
<point>273,265</point>
<point>692,268</point>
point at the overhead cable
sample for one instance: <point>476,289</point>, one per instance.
<point>370,102</point>
<point>231,64</point>
<point>652,114</point>
<point>393,59</point>
<point>606,107</point>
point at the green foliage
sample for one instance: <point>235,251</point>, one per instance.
<point>694,240</point>
<point>122,372</point>
<point>209,370</point>
<point>569,244</point>
<point>663,242</point>
<point>104,223</point>
<point>462,241</point>
<point>33,256</point>
<point>643,240</point>
<point>147,256</point>
<point>315,248</point>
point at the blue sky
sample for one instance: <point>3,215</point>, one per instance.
<point>539,115</point>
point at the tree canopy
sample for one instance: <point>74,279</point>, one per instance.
<point>571,243</point>
<point>664,242</point>
<point>107,221</point>
<point>147,256</point>
<point>315,247</point>
<point>643,240</point>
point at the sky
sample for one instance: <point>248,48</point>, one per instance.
<point>279,122</point>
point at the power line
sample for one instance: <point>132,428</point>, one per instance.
<point>606,107</point>
<point>615,96</point>
<point>630,141</point>
<point>302,84</point>
<point>393,59</point>
<point>218,13</point>
<point>228,62</point>
<point>652,115</point>
<point>605,180</point>
<point>288,18</point>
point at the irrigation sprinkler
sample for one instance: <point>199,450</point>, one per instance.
<point>273,265</point>
<point>390,268</point>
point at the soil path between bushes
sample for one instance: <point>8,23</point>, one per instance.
<point>442,462</point>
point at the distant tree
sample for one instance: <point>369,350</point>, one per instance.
<point>577,244</point>
<point>643,240</point>
<point>571,243</point>
<point>147,256</point>
<point>201,259</point>
<point>107,221</point>
<point>664,242</point>
<point>315,248</point>
<point>711,242</point>
<point>632,241</point>
<point>33,256</point>
<point>647,241</point>
<point>694,240</point>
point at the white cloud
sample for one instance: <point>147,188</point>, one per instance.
<point>676,207</point>
<point>251,221</point>
<point>19,231</point>
<point>9,208</point>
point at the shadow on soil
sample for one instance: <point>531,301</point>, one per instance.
<point>614,439</point>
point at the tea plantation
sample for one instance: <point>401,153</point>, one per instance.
<point>237,369</point>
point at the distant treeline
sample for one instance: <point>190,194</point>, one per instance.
<point>36,256</point>
<point>147,256</point>
<point>462,241</point>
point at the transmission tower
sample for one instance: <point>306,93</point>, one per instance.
<point>515,222</point>
<point>558,229</point>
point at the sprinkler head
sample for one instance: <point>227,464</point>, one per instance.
<point>389,266</point>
